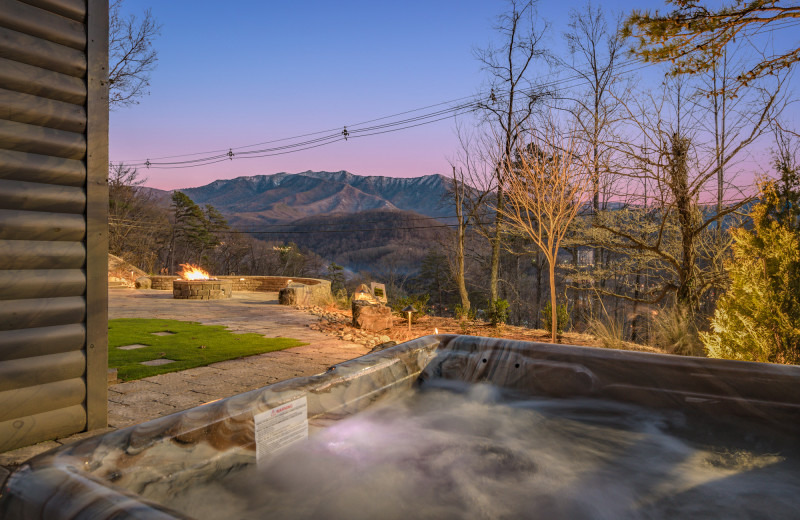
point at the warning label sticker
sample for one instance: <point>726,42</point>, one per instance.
<point>281,427</point>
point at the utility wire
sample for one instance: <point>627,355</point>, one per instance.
<point>316,225</point>
<point>467,104</point>
<point>319,231</point>
<point>427,118</point>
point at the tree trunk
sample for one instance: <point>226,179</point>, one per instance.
<point>538,288</point>
<point>553,313</point>
<point>495,263</point>
<point>680,186</point>
<point>460,281</point>
<point>458,195</point>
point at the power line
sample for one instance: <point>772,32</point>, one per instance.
<point>315,231</point>
<point>316,225</point>
<point>402,124</point>
<point>464,104</point>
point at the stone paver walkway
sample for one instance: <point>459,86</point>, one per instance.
<point>138,401</point>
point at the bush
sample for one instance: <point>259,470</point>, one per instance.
<point>562,317</point>
<point>418,301</point>
<point>674,331</point>
<point>757,318</point>
<point>461,314</point>
<point>497,311</point>
<point>342,300</point>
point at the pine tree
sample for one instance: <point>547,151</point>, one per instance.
<point>336,276</point>
<point>191,234</point>
<point>216,225</point>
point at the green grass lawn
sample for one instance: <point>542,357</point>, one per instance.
<point>190,345</point>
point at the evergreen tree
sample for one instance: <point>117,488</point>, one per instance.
<point>216,224</point>
<point>336,276</point>
<point>758,319</point>
<point>191,234</point>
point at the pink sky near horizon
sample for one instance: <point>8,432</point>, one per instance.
<point>255,72</point>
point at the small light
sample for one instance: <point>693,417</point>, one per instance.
<point>409,309</point>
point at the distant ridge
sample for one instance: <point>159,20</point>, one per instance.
<point>285,197</point>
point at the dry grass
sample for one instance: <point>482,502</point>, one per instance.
<point>427,325</point>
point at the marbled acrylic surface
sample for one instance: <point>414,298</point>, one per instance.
<point>129,473</point>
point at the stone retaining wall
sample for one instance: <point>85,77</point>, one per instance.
<point>291,291</point>
<point>243,283</point>
<point>201,289</point>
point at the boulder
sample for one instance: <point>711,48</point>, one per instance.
<point>302,294</point>
<point>143,282</point>
<point>370,316</point>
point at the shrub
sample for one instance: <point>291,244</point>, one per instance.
<point>562,317</point>
<point>418,301</point>
<point>461,314</point>
<point>497,312</point>
<point>342,300</point>
<point>758,318</point>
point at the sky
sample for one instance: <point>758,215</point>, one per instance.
<point>231,74</point>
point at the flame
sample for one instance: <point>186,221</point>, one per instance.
<point>193,272</point>
<point>435,330</point>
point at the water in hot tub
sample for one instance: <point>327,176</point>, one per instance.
<point>457,451</point>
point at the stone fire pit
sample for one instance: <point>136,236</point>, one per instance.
<point>202,289</point>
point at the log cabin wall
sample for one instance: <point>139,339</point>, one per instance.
<point>53,218</point>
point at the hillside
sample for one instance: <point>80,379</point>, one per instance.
<point>372,240</point>
<point>284,197</point>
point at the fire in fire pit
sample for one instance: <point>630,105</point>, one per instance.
<point>193,272</point>
<point>196,284</point>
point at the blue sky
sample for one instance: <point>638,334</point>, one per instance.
<point>235,73</point>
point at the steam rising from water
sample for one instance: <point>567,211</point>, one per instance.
<point>456,451</point>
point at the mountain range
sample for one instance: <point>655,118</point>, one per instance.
<point>284,197</point>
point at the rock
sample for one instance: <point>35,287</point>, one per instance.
<point>384,339</point>
<point>143,282</point>
<point>301,294</point>
<point>372,317</point>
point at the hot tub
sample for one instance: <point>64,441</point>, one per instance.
<point>734,425</point>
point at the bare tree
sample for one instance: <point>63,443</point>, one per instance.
<point>458,189</point>
<point>469,189</point>
<point>670,239</point>
<point>131,56</point>
<point>138,225</point>
<point>512,101</point>
<point>595,51</point>
<point>546,192</point>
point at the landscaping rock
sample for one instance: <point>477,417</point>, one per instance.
<point>143,282</point>
<point>302,295</point>
<point>372,317</point>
